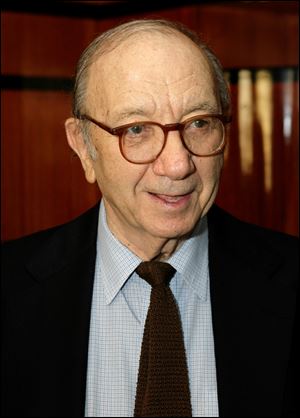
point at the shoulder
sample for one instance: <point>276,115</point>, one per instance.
<point>234,229</point>
<point>47,247</point>
<point>251,243</point>
<point>26,244</point>
<point>260,260</point>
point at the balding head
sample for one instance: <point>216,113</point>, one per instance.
<point>112,38</point>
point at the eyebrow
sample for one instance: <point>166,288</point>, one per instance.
<point>128,112</point>
<point>205,106</point>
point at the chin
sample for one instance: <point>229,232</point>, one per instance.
<point>172,231</point>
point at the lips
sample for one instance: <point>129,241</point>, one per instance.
<point>174,201</point>
<point>168,198</point>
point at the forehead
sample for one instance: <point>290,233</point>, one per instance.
<point>150,64</point>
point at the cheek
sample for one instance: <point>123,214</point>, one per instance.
<point>209,170</point>
<point>209,174</point>
<point>117,177</point>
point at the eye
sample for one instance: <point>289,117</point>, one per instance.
<point>135,130</point>
<point>199,123</point>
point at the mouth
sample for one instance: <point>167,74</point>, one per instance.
<point>171,201</point>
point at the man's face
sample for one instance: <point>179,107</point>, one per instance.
<point>152,77</point>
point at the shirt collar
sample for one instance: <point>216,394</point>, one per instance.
<point>191,260</point>
<point>118,262</point>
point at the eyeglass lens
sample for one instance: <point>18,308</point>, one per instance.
<point>144,141</point>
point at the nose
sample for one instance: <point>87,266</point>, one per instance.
<point>175,161</point>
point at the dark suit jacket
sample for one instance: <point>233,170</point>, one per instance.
<point>47,289</point>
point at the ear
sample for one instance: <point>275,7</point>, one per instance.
<point>78,145</point>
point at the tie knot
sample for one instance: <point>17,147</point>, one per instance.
<point>156,272</point>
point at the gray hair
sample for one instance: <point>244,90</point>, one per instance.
<point>108,40</point>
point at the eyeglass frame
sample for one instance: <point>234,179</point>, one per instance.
<point>178,126</point>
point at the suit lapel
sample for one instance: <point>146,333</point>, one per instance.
<point>246,323</point>
<point>59,315</point>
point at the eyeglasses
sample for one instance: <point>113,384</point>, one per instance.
<point>143,142</point>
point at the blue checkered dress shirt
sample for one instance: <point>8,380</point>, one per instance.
<point>119,309</point>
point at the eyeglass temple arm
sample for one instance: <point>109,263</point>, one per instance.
<point>99,124</point>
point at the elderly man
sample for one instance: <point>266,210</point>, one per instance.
<point>155,302</point>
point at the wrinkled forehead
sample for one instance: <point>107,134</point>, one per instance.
<point>149,60</point>
<point>147,49</point>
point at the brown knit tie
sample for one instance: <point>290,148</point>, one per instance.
<point>163,386</point>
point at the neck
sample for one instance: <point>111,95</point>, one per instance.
<point>153,248</point>
<point>143,244</point>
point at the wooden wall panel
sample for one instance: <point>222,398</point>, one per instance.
<point>245,194</point>
<point>39,45</point>
<point>50,45</point>
<point>246,37</point>
<point>43,185</point>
